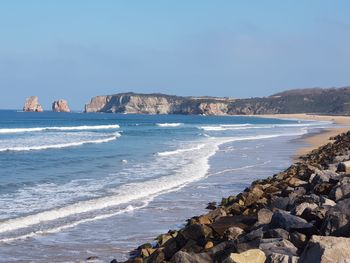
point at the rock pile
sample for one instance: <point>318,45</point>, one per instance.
<point>299,215</point>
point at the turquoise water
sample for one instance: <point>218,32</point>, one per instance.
<point>75,185</point>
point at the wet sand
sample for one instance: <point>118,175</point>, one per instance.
<point>315,140</point>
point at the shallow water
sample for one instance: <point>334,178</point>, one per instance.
<point>76,185</point>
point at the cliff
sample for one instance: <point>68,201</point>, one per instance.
<point>32,104</point>
<point>317,101</point>
<point>158,104</point>
<point>60,106</point>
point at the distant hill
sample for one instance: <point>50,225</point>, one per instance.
<point>316,100</point>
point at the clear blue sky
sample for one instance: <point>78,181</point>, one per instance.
<point>78,49</point>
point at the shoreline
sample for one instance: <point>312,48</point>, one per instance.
<point>284,218</point>
<point>315,139</point>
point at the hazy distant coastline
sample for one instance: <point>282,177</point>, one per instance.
<point>334,101</point>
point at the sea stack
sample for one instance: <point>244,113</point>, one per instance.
<point>60,106</point>
<point>32,104</point>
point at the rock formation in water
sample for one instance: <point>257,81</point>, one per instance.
<point>318,101</point>
<point>60,106</point>
<point>32,104</point>
<point>299,215</point>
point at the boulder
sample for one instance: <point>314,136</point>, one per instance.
<point>326,249</point>
<point>225,222</point>
<point>184,257</point>
<point>32,104</point>
<point>198,233</point>
<point>283,219</point>
<point>337,219</point>
<point>233,232</point>
<point>278,245</point>
<point>276,233</point>
<point>299,209</point>
<point>264,216</point>
<point>299,240</point>
<point>279,202</point>
<point>341,189</point>
<point>344,167</point>
<point>251,256</point>
<point>280,258</point>
<point>60,106</point>
<point>325,176</point>
<point>248,241</point>
<point>254,195</point>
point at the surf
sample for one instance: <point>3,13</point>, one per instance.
<point>57,128</point>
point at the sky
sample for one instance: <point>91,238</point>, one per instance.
<point>236,48</point>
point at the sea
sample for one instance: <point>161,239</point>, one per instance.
<point>76,185</point>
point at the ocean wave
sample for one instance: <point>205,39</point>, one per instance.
<point>241,168</point>
<point>178,151</point>
<point>196,169</point>
<point>54,128</point>
<point>127,193</point>
<point>226,127</point>
<point>60,145</point>
<point>175,124</point>
<point>58,229</point>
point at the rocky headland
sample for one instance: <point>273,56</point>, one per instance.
<point>60,106</point>
<point>32,104</point>
<point>334,101</point>
<point>299,215</point>
<point>157,104</point>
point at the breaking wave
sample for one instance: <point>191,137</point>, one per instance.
<point>60,145</point>
<point>54,128</point>
<point>169,124</point>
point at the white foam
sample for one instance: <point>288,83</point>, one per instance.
<point>241,168</point>
<point>60,145</point>
<point>196,169</point>
<point>228,127</point>
<point>169,124</point>
<point>57,229</point>
<point>236,125</point>
<point>54,128</point>
<point>178,151</point>
<point>192,167</point>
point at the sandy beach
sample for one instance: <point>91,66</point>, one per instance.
<point>315,140</point>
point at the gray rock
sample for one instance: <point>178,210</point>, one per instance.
<point>225,222</point>
<point>299,209</point>
<point>341,190</point>
<point>249,241</point>
<point>324,176</point>
<point>233,232</point>
<point>264,216</point>
<point>296,193</point>
<point>337,219</point>
<point>326,249</point>
<point>279,202</point>
<point>184,257</point>
<point>276,233</point>
<point>344,167</point>
<point>299,240</point>
<point>278,245</point>
<point>280,258</point>
<point>196,232</point>
<point>283,219</point>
